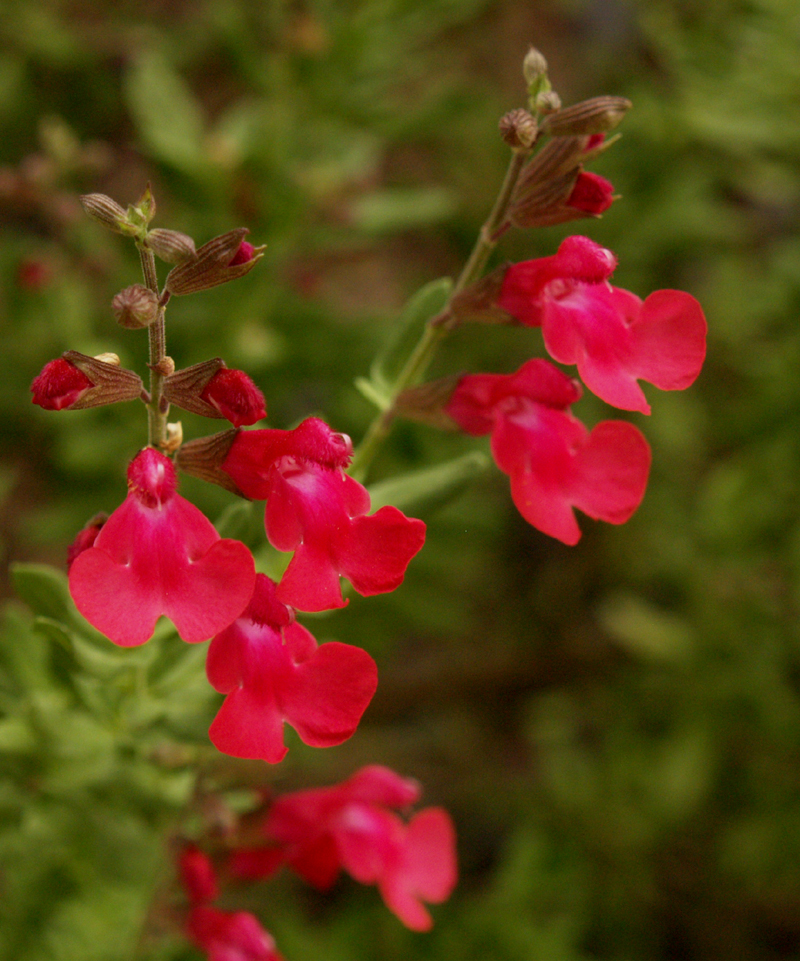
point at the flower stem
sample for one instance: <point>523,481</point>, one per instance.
<point>439,327</point>
<point>156,416</point>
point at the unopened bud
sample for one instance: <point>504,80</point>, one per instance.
<point>135,307</point>
<point>213,390</point>
<point>106,212</point>
<point>171,245</point>
<point>547,101</point>
<point>142,212</point>
<point>519,129</point>
<point>224,258</point>
<point>76,381</point>
<point>597,115</point>
<point>534,66</point>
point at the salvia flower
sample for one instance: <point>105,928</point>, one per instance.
<point>157,554</point>
<point>273,672</point>
<point>352,826</point>
<point>229,935</point>
<point>198,878</point>
<point>320,513</point>
<point>554,462</point>
<point>614,337</point>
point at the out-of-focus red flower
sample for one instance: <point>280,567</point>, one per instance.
<point>157,554</point>
<point>351,826</point>
<point>198,877</point>
<point>320,513</point>
<point>85,538</point>
<point>614,337</point>
<point>554,462</point>
<point>230,936</point>
<point>273,672</point>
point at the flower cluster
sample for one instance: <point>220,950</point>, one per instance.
<point>158,555</point>
<point>615,339</point>
<point>318,833</point>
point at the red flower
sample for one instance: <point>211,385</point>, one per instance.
<point>317,511</point>
<point>157,554</point>
<point>591,194</point>
<point>350,826</point>
<point>197,874</point>
<point>554,462</point>
<point>272,671</point>
<point>60,385</point>
<point>235,396</point>
<point>230,936</point>
<point>245,252</point>
<point>613,337</point>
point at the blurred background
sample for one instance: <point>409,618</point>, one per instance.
<point>615,727</point>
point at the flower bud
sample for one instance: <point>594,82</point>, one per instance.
<point>547,101</point>
<point>76,381</point>
<point>135,307</point>
<point>107,212</point>
<point>212,390</point>
<point>519,129</point>
<point>224,258</point>
<point>171,245</point>
<point>142,212</point>
<point>534,66</point>
<point>85,538</point>
<point>59,385</point>
<point>593,116</point>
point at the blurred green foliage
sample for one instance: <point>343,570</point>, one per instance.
<point>615,727</point>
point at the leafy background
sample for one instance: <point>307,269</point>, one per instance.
<point>616,726</point>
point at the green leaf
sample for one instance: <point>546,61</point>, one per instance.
<point>426,490</point>
<point>44,589</point>
<point>402,208</point>
<point>424,304</point>
<point>167,114</point>
<point>87,656</point>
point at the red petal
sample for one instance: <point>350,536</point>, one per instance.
<point>670,340</point>
<point>375,552</point>
<point>611,472</point>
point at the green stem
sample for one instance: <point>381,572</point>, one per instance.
<point>156,416</point>
<point>439,327</point>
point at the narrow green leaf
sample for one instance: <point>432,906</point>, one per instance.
<point>426,490</point>
<point>424,304</point>
<point>167,114</point>
<point>374,394</point>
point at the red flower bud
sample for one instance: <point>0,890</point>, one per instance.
<point>60,385</point>
<point>235,396</point>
